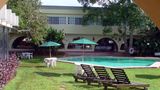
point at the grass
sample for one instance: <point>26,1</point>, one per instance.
<point>34,75</point>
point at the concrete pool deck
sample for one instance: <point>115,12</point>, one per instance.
<point>156,65</point>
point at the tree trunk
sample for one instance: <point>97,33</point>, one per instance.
<point>125,43</point>
<point>125,36</point>
<point>131,39</point>
<point>126,28</point>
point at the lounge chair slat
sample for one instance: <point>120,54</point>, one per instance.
<point>102,73</point>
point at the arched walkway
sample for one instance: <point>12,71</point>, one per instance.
<point>22,43</point>
<point>106,45</point>
<point>122,47</point>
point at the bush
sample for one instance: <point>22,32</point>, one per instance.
<point>8,69</point>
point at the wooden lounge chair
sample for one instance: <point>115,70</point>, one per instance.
<point>91,77</point>
<point>102,73</point>
<point>80,77</point>
<point>123,81</point>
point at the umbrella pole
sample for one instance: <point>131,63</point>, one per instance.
<point>49,51</point>
<point>83,53</point>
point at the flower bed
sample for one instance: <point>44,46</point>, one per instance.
<point>8,69</point>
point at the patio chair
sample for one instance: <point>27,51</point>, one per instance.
<point>123,80</point>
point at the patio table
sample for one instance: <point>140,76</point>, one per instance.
<point>27,55</point>
<point>50,62</point>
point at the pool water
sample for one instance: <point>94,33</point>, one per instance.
<point>112,61</point>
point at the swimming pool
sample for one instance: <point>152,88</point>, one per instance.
<point>109,61</point>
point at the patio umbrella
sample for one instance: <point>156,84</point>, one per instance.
<point>84,41</point>
<point>50,44</point>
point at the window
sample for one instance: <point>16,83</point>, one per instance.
<point>62,20</point>
<point>71,20</point>
<point>78,21</point>
<point>75,20</point>
<point>56,20</point>
<point>49,20</point>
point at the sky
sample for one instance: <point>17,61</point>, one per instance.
<point>61,2</point>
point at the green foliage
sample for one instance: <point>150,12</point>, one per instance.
<point>54,35</point>
<point>122,13</point>
<point>107,30</point>
<point>119,34</point>
<point>153,43</point>
<point>116,13</point>
<point>30,18</point>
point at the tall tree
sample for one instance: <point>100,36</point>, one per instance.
<point>30,18</point>
<point>54,35</point>
<point>122,13</point>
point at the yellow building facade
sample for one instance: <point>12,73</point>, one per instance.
<point>69,19</point>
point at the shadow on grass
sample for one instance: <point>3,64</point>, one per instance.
<point>86,86</point>
<point>40,66</point>
<point>78,82</point>
<point>145,76</point>
<point>48,74</point>
<point>51,74</point>
<point>81,83</point>
<point>94,86</point>
<point>31,66</point>
<point>67,74</point>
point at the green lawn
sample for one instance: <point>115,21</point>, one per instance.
<point>33,75</point>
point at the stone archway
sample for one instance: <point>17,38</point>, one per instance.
<point>122,47</point>
<point>106,45</point>
<point>22,42</point>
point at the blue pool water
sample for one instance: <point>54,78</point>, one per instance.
<point>112,61</point>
